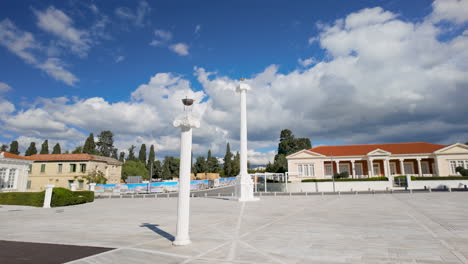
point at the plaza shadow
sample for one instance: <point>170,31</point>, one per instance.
<point>158,231</point>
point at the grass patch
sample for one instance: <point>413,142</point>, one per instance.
<point>60,197</point>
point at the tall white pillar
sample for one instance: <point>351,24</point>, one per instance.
<point>338,167</point>
<point>419,167</point>
<point>48,195</point>
<point>370,166</point>
<point>186,123</point>
<point>402,166</point>
<point>353,169</point>
<point>244,185</point>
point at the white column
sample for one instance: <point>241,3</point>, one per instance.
<point>91,186</point>
<point>323,169</point>
<point>419,167</point>
<point>244,186</point>
<point>73,187</point>
<point>183,204</point>
<point>402,167</point>
<point>385,164</point>
<point>48,195</point>
<point>353,169</point>
<point>338,166</point>
<point>370,165</point>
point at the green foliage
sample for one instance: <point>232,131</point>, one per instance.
<point>151,156</point>
<point>200,165</point>
<point>45,147</point>
<point>31,149</point>
<point>288,144</point>
<point>157,169</point>
<point>114,153</point>
<point>142,153</point>
<point>64,197</point>
<point>89,145</point>
<point>122,156</point>
<point>57,149</point>
<point>4,147</point>
<point>341,175</point>
<point>347,179</point>
<point>170,167</point>
<point>280,164</point>
<point>22,198</point>
<point>14,148</point>
<point>228,166</point>
<point>212,163</point>
<point>462,171</point>
<point>415,178</point>
<point>78,150</point>
<point>96,176</point>
<point>236,165</point>
<point>131,153</point>
<point>105,144</point>
<point>134,168</point>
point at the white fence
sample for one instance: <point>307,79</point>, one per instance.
<point>439,184</point>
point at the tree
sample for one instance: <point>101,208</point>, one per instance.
<point>236,165</point>
<point>4,147</point>
<point>134,168</point>
<point>212,163</point>
<point>45,147</point>
<point>57,149</point>
<point>14,148</point>
<point>31,149</point>
<point>78,150</point>
<point>200,165</point>
<point>288,144</point>
<point>96,177</point>
<point>151,156</point>
<point>114,153</point>
<point>89,145</point>
<point>462,171</point>
<point>105,144</point>
<point>228,161</point>
<point>170,167</point>
<point>142,154</point>
<point>157,169</point>
<point>122,156</point>
<point>131,153</point>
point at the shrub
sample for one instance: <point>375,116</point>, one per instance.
<point>347,179</point>
<point>341,175</point>
<point>88,195</point>
<point>462,171</point>
<point>22,198</point>
<point>413,178</point>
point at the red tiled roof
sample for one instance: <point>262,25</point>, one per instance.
<point>57,157</point>
<point>9,155</point>
<point>394,148</point>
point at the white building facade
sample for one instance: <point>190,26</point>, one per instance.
<point>14,172</point>
<point>378,160</point>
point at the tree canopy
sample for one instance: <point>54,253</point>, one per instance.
<point>89,145</point>
<point>105,144</point>
<point>45,147</point>
<point>142,153</point>
<point>57,149</point>
<point>134,168</point>
<point>31,149</point>
<point>14,148</point>
<point>288,144</point>
<point>228,166</point>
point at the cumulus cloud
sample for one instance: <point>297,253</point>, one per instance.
<point>450,10</point>
<point>180,48</point>
<point>306,62</point>
<point>4,87</point>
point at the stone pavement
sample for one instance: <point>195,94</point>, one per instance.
<point>380,228</point>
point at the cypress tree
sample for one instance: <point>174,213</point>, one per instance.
<point>4,147</point>
<point>131,153</point>
<point>142,153</point>
<point>14,148</point>
<point>236,165</point>
<point>151,156</point>
<point>89,145</point>
<point>31,149</point>
<point>45,147</point>
<point>57,149</point>
<point>228,162</point>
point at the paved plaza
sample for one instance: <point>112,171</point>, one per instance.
<point>380,228</point>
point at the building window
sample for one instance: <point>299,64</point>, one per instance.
<point>72,167</point>
<point>3,178</point>
<point>305,170</point>
<point>425,167</point>
<point>409,168</point>
<point>344,167</point>
<point>28,185</point>
<point>328,169</point>
<point>376,171</point>
<point>42,167</point>
<point>457,163</point>
<point>11,178</point>
<point>82,167</point>
<point>60,168</point>
<point>80,184</point>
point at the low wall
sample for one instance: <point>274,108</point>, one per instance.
<point>439,184</point>
<point>328,186</point>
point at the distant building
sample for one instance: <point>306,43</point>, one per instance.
<point>62,170</point>
<point>375,160</point>
<point>13,172</point>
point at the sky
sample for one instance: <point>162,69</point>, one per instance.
<point>337,72</point>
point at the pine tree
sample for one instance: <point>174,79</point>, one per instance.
<point>89,145</point>
<point>14,148</point>
<point>57,149</point>
<point>4,147</point>
<point>228,162</point>
<point>236,165</point>
<point>45,147</point>
<point>31,149</point>
<point>122,156</point>
<point>142,154</point>
<point>105,144</point>
<point>131,153</point>
<point>151,156</point>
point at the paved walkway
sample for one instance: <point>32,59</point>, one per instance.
<point>381,228</point>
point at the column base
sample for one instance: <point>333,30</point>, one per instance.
<point>244,189</point>
<point>181,242</point>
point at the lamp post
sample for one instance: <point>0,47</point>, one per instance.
<point>244,184</point>
<point>186,123</point>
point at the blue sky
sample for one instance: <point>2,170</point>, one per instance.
<point>102,55</point>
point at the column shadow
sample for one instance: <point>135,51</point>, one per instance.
<point>158,231</point>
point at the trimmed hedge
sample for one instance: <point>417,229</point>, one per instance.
<point>347,179</point>
<point>448,178</point>
<point>22,198</point>
<point>60,197</point>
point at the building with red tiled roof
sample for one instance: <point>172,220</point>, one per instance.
<point>13,172</point>
<point>70,170</point>
<point>375,160</point>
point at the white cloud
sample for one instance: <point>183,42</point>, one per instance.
<point>137,17</point>
<point>119,59</point>
<point>55,68</point>
<point>180,48</point>
<point>4,87</point>
<point>163,35</point>
<point>56,22</point>
<point>450,10</point>
<point>197,29</point>
<point>306,62</point>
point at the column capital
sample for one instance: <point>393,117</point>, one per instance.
<point>243,87</point>
<point>187,121</point>
<point>418,159</point>
<point>353,161</point>
<point>401,159</point>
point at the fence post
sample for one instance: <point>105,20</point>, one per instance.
<point>48,195</point>
<point>408,182</point>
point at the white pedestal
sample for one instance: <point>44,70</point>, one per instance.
<point>91,186</point>
<point>244,189</point>
<point>73,187</point>
<point>48,195</point>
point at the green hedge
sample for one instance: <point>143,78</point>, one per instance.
<point>347,179</point>
<point>22,198</point>
<point>60,197</point>
<point>416,178</point>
